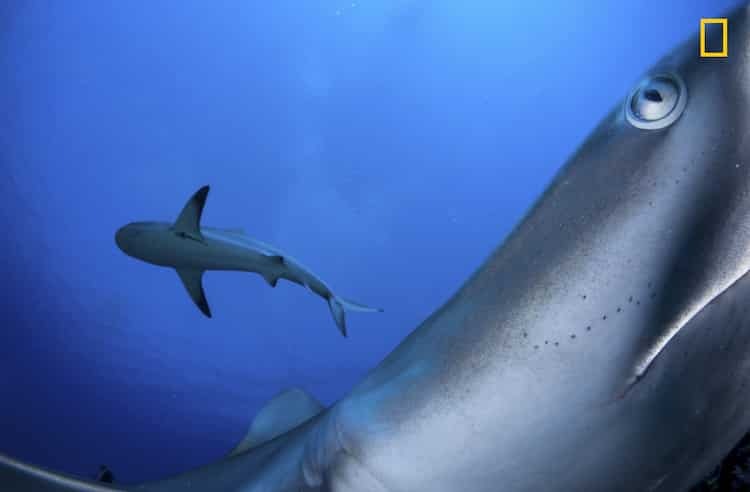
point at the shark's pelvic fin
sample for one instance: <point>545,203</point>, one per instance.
<point>282,413</point>
<point>193,282</point>
<point>188,223</point>
<point>271,279</point>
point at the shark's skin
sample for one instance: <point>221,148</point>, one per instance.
<point>192,249</point>
<point>605,345</point>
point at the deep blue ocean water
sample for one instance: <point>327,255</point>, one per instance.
<point>389,145</point>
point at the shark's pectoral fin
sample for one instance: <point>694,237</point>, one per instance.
<point>193,282</point>
<point>282,413</point>
<point>188,223</point>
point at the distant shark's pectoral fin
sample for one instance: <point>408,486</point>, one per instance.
<point>193,282</point>
<point>189,221</point>
<point>282,413</point>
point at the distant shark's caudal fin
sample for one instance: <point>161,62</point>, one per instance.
<point>339,306</point>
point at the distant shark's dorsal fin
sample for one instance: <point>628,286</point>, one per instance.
<point>188,223</point>
<point>193,282</point>
<point>282,413</point>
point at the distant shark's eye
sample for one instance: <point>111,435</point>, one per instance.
<point>657,102</point>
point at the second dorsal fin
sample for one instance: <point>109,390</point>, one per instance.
<point>282,413</point>
<point>188,223</point>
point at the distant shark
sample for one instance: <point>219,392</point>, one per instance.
<point>604,346</point>
<point>192,249</point>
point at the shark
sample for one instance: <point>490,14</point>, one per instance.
<point>604,345</point>
<point>192,249</point>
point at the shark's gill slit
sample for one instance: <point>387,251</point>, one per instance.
<point>645,363</point>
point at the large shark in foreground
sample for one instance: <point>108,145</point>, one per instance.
<point>191,249</point>
<point>605,345</point>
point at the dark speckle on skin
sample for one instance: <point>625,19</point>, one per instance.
<point>584,296</point>
<point>536,347</point>
<point>588,328</point>
<point>604,317</point>
<point>619,309</point>
<point>546,342</point>
<point>573,335</point>
<point>525,334</point>
<point>638,303</point>
<point>630,299</point>
<point>557,343</point>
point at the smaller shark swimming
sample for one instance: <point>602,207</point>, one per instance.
<point>192,249</point>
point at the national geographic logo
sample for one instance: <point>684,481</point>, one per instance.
<point>710,40</point>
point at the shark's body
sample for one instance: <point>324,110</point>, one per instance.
<point>192,249</point>
<point>604,346</point>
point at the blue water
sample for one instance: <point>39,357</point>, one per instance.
<point>389,145</point>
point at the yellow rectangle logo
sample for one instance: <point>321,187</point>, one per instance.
<point>725,38</point>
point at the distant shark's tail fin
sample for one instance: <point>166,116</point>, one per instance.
<point>339,306</point>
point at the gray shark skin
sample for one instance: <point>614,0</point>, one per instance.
<point>192,249</point>
<point>605,345</point>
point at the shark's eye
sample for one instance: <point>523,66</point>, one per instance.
<point>657,102</point>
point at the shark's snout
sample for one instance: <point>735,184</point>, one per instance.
<point>120,238</point>
<point>124,238</point>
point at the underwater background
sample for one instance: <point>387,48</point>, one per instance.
<point>389,145</point>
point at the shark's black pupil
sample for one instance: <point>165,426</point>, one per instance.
<point>652,95</point>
